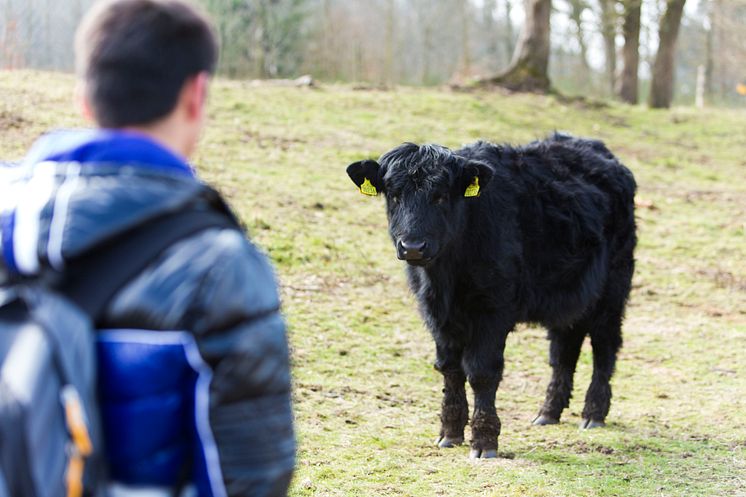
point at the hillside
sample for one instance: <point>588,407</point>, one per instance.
<point>366,395</point>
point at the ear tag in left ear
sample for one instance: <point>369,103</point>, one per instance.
<point>473,189</point>
<point>368,189</point>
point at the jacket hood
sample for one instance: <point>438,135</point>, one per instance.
<point>77,189</point>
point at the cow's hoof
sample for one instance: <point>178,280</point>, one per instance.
<point>588,424</point>
<point>482,454</point>
<point>449,442</point>
<point>543,420</point>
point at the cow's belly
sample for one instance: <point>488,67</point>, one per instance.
<point>560,296</point>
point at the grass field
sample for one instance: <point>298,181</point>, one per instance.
<point>366,395</point>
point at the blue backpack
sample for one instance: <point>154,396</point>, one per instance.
<point>50,436</point>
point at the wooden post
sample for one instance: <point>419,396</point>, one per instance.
<point>699,99</point>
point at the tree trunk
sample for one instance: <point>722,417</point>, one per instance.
<point>490,33</point>
<point>576,16</point>
<point>720,47</point>
<point>427,48</point>
<point>329,65</point>
<point>509,43</point>
<point>528,70</point>
<point>263,43</point>
<point>631,54</point>
<point>390,34</point>
<point>608,30</point>
<point>465,50</point>
<point>709,52</point>
<point>699,94</point>
<point>722,41</point>
<point>661,86</point>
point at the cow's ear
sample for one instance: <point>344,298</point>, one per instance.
<point>475,176</point>
<point>366,175</point>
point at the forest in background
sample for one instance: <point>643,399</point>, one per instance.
<point>429,42</point>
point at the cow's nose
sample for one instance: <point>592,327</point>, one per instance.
<point>411,250</point>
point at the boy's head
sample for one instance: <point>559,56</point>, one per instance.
<point>144,64</point>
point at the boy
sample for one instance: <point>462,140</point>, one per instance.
<point>193,360</point>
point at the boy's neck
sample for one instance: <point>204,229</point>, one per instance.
<point>169,134</point>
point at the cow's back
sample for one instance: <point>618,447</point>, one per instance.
<point>571,209</point>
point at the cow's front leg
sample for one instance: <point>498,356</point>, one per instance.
<point>483,363</point>
<point>454,410</point>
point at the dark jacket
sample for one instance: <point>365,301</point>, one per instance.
<point>193,358</point>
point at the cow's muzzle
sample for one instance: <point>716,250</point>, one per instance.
<point>412,251</point>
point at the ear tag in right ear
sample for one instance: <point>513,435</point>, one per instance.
<point>368,189</point>
<point>473,189</point>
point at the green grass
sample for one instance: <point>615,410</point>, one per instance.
<point>366,396</point>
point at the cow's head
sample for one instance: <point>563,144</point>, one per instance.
<point>426,188</point>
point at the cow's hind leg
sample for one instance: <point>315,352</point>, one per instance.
<point>483,363</point>
<point>454,410</point>
<point>564,349</point>
<point>605,325</point>
<point>606,339</point>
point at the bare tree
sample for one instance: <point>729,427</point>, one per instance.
<point>577,7</point>
<point>426,19</point>
<point>628,81</point>
<point>39,33</point>
<point>709,43</point>
<point>432,41</point>
<point>728,50</point>
<point>326,39</point>
<point>509,43</point>
<point>265,67</point>
<point>490,33</point>
<point>390,41</point>
<point>720,37</point>
<point>661,86</point>
<point>608,30</point>
<point>465,42</point>
<point>528,70</point>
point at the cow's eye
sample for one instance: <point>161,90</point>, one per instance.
<point>394,199</point>
<point>439,199</point>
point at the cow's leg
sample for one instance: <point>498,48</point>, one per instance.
<point>454,410</point>
<point>483,363</point>
<point>605,325</point>
<point>606,339</point>
<point>564,349</point>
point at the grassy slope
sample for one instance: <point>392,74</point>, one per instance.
<point>366,395</point>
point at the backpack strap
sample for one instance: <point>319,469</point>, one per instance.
<point>91,281</point>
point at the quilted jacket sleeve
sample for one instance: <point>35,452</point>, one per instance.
<point>221,288</point>
<point>244,342</point>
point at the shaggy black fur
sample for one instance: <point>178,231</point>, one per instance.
<point>550,239</point>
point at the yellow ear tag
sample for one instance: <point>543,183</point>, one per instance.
<point>473,189</point>
<point>368,189</point>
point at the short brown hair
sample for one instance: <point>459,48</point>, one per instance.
<point>135,56</point>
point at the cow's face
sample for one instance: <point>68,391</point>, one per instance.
<point>426,188</point>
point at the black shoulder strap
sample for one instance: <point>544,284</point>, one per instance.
<point>93,280</point>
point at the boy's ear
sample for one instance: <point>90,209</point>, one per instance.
<point>82,102</point>
<point>366,175</point>
<point>194,95</point>
<point>474,178</point>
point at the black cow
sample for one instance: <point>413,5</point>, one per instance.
<point>495,235</point>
